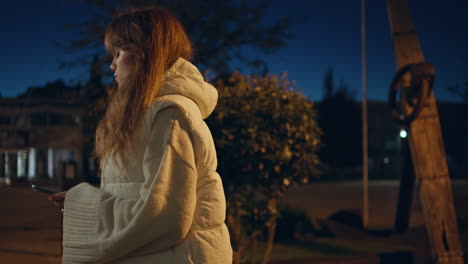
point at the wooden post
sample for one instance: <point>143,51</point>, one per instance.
<point>427,148</point>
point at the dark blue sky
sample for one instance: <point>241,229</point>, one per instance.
<point>329,37</point>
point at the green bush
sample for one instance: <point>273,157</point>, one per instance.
<point>267,140</point>
<point>266,134</point>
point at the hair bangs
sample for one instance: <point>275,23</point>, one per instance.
<point>113,39</point>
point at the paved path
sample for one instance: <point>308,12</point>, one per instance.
<point>30,225</point>
<point>320,200</point>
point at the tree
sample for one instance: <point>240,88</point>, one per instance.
<point>219,30</point>
<point>267,140</point>
<point>340,118</point>
<point>96,93</point>
<point>329,84</point>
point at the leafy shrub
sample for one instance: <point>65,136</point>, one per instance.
<point>265,133</point>
<point>267,140</point>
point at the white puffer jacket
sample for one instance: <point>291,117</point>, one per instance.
<point>168,205</point>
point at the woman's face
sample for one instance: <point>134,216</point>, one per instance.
<point>123,65</point>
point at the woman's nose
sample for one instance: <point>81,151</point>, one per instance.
<point>112,66</point>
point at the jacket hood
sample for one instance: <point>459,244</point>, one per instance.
<point>183,78</point>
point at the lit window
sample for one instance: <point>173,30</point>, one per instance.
<point>7,165</point>
<point>50,162</point>
<point>32,163</point>
<point>21,163</point>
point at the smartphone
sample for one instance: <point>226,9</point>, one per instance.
<point>43,189</point>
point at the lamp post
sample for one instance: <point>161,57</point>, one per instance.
<point>365,169</point>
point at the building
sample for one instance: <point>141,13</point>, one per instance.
<point>41,134</point>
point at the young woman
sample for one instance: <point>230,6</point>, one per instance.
<point>161,199</point>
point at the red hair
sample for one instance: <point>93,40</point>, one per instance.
<point>156,39</point>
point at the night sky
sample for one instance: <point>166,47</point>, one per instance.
<point>328,36</point>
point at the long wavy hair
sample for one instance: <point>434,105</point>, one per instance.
<point>156,39</point>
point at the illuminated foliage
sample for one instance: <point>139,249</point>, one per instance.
<point>266,134</point>
<point>267,140</point>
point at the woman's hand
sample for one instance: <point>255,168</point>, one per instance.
<point>58,198</point>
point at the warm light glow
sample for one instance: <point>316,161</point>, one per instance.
<point>403,133</point>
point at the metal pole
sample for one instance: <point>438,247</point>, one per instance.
<point>365,169</point>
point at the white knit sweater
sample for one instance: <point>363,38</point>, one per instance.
<point>168,205</point>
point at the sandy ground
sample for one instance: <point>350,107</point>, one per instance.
<point>30,225</point>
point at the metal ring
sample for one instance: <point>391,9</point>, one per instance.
<point>422,77</point>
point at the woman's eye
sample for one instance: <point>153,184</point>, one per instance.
<point>117,54</point>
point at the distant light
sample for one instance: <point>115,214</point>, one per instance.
<point>21,163</point>
<point>50,162</point>
<point>7,164</point>
<point>403,133</point>
<point>32,163</point>
<point>386,160</point>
